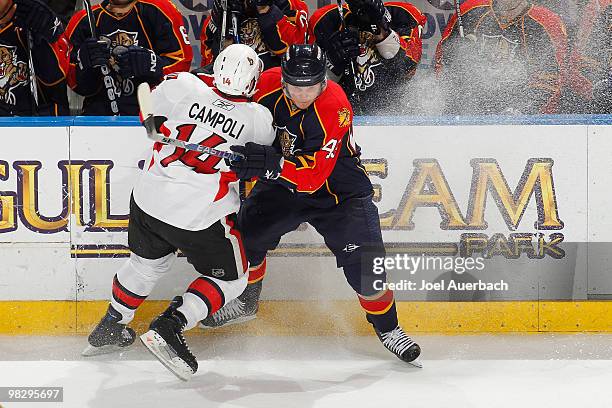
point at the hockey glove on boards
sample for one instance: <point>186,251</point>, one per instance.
<point>92,54</point>
<point>259,161</point>
<point>36,16</point>
<point>139,62</point>
<point>342,47</point>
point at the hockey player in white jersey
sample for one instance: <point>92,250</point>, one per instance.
<point>187,201</point>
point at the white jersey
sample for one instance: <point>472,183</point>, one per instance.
<point>192,190</point>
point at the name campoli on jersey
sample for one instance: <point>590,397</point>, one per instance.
<point>216,120</point>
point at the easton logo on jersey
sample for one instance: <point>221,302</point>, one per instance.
<point>351,247</point>
<point>13,73</point>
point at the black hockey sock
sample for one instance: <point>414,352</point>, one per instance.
<point>381,311</point>
<point>181,317</point>
<point>384,322</point>
<point>257,272</point>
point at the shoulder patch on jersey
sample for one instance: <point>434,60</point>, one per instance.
<point>287,141</point>
<point>344,117</point>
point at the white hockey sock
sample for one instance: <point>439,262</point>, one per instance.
<point>206,295</point>
<point>194,309</point>
<point>134,281</point>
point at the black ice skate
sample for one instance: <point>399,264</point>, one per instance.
<point>109,335</point>
<point>166,342</point>
<point>239,310</point>
<point>400,344</point>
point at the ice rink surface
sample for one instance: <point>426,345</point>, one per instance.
<point>488,371</point>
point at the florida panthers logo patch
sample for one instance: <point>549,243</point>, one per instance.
<point>119,40</point>
<point>287,141</point>
<point>369,58</point>
<point>122,37</point>
<point>344,117</point>
<point>13,73</point>
<point>250,34</point>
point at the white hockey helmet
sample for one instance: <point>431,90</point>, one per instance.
<point>236,70</point>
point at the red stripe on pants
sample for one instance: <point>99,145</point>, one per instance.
<point>238,237</point>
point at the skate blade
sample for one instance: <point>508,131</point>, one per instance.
<point>158,347</point>
<point>417,363</point>
<point>239,320</point>
<point>91,351</point>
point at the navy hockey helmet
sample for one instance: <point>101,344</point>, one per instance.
<point>304,65</point>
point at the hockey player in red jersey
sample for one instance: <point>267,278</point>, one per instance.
<point>374,54</point>
<point>512,59</point>
<point>267,26</point>
<point>590,66</point>
<point>312,174</point>
<point>136,41</point>
<point>33,60</point>
<point>186,200</point>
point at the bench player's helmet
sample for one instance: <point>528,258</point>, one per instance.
<point>304,65</point>
<point>236,70</point>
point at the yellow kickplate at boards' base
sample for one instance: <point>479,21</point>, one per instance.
<point>320,318</point>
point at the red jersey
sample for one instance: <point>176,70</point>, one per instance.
<point>153,24</point>
<point>518,68</point>
<point>269,34</point>
<point>590,60</point>
<point>380,83</point>
<point>50,66</point>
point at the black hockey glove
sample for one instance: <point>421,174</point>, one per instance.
<point>253,4</point>
<point>92,54</point>
<point>36,16</point>
<point>138,62</point>
<point>342,47</point>
<point>259,161</point>
<point>216,13</point>
<point>369,15</point>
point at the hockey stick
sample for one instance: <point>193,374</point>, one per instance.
<point>146,109</point>
<point>235,28</point>
<point>223,25</point>
<point>109,83</point>
<point>241,183</point>
<point>459,19</point>
<point>350,70</point>
<point>33,84</point>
